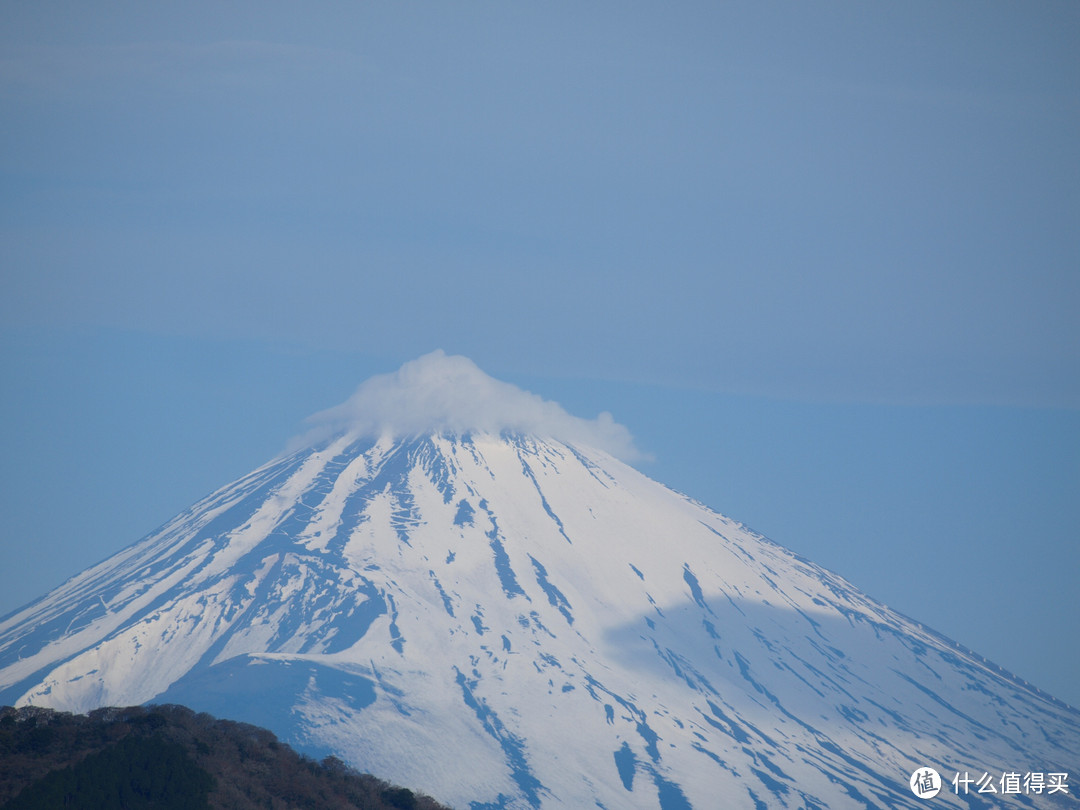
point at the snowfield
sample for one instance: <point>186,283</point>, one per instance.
<point>504,620</point>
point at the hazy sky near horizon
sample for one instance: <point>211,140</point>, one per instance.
<point>822,260</point>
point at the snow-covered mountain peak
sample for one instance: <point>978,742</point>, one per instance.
<point>509,620</point>
<point>440,393</point>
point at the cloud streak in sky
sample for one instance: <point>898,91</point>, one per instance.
<point>450,394</point>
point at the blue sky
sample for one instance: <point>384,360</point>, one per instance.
<point>823,260</point>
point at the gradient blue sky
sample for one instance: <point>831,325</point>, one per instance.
<point>823,260</point>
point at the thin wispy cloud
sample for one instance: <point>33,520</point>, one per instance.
<point>450,394</point>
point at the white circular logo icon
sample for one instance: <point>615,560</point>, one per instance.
<point>925,783</point>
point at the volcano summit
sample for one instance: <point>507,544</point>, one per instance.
<point>455,585</point>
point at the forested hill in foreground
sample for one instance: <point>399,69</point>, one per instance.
<point>165,757</point>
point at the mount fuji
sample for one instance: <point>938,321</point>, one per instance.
<point>457,586</point>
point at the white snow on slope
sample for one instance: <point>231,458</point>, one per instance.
<point>506,620</point>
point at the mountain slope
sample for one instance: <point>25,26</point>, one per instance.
<point>532,623</point>
<point>170,757</point>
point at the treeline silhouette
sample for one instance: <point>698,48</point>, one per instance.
<point>165,757</point>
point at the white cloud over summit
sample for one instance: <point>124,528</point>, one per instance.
<point>449,393</point>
